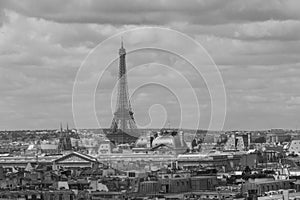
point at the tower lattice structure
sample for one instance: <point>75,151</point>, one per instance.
<point>123,117</point>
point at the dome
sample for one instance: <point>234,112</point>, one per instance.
<point>143,142</point>
<point>167,140</point>
<point>176,142</point>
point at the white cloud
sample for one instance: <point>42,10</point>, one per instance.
<point>256,44</point>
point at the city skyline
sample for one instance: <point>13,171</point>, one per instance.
<point>255,45</point>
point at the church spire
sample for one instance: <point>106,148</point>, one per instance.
<point>61,129</point>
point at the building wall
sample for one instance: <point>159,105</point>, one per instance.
<point>105,148</point>
<point>38,195</point>
<point>176,185</point>
<point>295,146</point>
<point>149,187</point>
<point>249,160</point>
<point>275,138</point>
<point>266,186</point>
<point>297,187</point>
<point>203,183</point>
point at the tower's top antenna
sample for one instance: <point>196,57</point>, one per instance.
<point>122,51</point>
<point>122,42</point>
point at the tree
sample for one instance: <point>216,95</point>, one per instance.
<point>194,143</point>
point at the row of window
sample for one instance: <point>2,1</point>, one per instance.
<point>272,187</point>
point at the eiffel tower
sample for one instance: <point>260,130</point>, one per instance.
<point>123,127</point>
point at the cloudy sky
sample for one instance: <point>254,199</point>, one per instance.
<point>255,44</point>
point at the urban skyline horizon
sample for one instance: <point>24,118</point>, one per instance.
<point>156,128</point>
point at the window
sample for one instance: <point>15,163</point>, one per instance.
<point>131,174</point>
